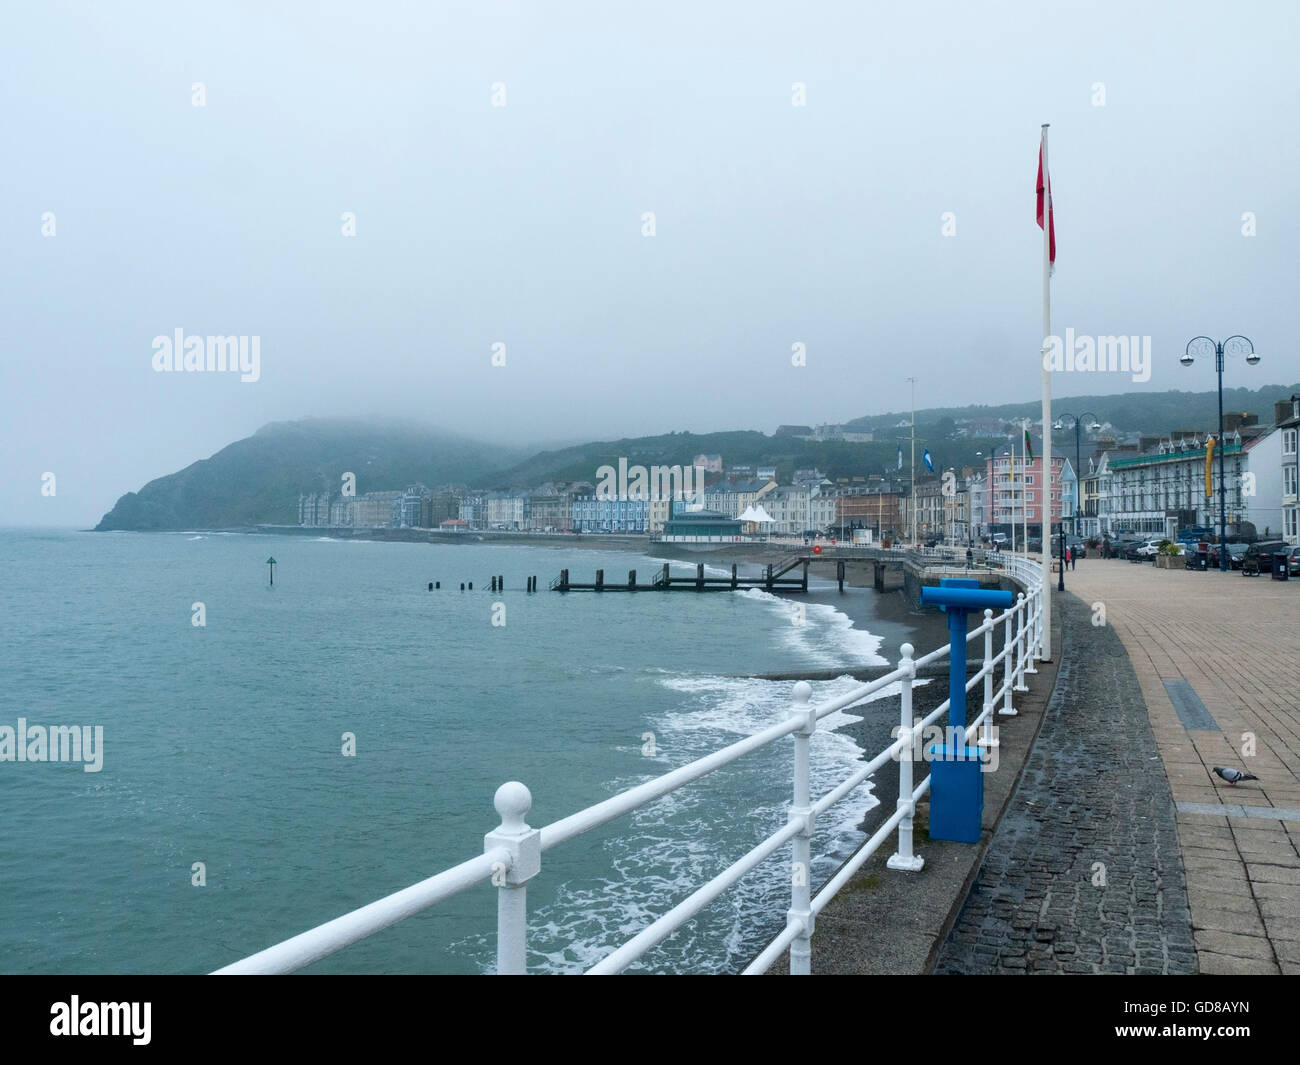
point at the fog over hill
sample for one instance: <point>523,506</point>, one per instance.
<point>259,478</point>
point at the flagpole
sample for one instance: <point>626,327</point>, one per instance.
<point>1024,485</point>
<point>1045,541</point>
<point>913,380</point>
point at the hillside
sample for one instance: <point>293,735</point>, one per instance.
<point>737,448</point>
<point>1127,412</point>
<point>258,479</point>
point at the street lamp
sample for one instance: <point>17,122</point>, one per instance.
<point>1234,345</point>
<point>1093,427</point>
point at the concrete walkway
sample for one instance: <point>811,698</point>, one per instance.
<point>1217,657</point>
<point>1083,873</point>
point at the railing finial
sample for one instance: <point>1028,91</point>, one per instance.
<point>513,801</point>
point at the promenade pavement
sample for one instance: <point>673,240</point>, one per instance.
<point>1217,657</point>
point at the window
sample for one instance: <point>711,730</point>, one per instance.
<point>1288,480</point>
<point>1288,441</point>
<point>1029,478</point>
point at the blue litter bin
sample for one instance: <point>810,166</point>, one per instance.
<point>956,780</point>
<point>956,793</point>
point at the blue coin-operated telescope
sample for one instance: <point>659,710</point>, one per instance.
<point>956,782</point>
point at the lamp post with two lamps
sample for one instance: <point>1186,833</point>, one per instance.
<point>1204,346</point>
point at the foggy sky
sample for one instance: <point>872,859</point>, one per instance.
<point>522,224</point>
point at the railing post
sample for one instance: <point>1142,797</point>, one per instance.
<point>513,801</point>
<point>903,858</point>
<point>1032,643</point>
<point>802,813</point>
<point>989,740</point>
<point>1022,640</point>
<point>1038,625</point>
<point>1009,661</point>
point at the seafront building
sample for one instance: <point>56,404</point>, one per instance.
<point>1287,417</point>
<point>733,496</point>
<point>594,514</point>
<point>956,510</point>
<point>314,509</point>
<point>550,511</point>
<point>506,511</point>
<point>795,509</point>
<point>975,491</point>
<point>1161,489</point>
<point>1015,495</point>
<point>877,507</point>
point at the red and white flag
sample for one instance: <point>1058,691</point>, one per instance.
<point>1045,193</point>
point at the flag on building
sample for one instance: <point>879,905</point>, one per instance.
<point>900,456</point>
<point>1029,448</point>
<point>929,462</point>
<point>1209,467</point>
<point>1045,194</point>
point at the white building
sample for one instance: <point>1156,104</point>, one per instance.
<point>1159,492</point>
<point>506,509</point>
<point>975,505</point>
<point>796,509</point>
<point>1288,425</point>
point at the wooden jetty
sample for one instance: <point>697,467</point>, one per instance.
<point>774,579</point>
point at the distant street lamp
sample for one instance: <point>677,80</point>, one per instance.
<point>1093,426</point>
<point>1060,580</point>
<point>1234,345</point>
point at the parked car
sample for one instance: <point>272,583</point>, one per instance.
<point>1144,550</point>
<point>1236,554</point>
<point>1117,548</point>
<point>1259,557</point>
<point>1293,561</point>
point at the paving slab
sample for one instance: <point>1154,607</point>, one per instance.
<point>1212,647</point>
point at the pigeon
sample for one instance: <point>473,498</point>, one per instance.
<point>1233,775</point>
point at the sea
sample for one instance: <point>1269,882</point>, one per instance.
<point>318,743</point>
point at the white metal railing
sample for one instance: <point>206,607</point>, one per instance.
<point>512,852</point>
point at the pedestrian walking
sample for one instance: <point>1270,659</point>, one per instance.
<point>1069,557</point>
<point>1073,560</point>
<point>970,558</point>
